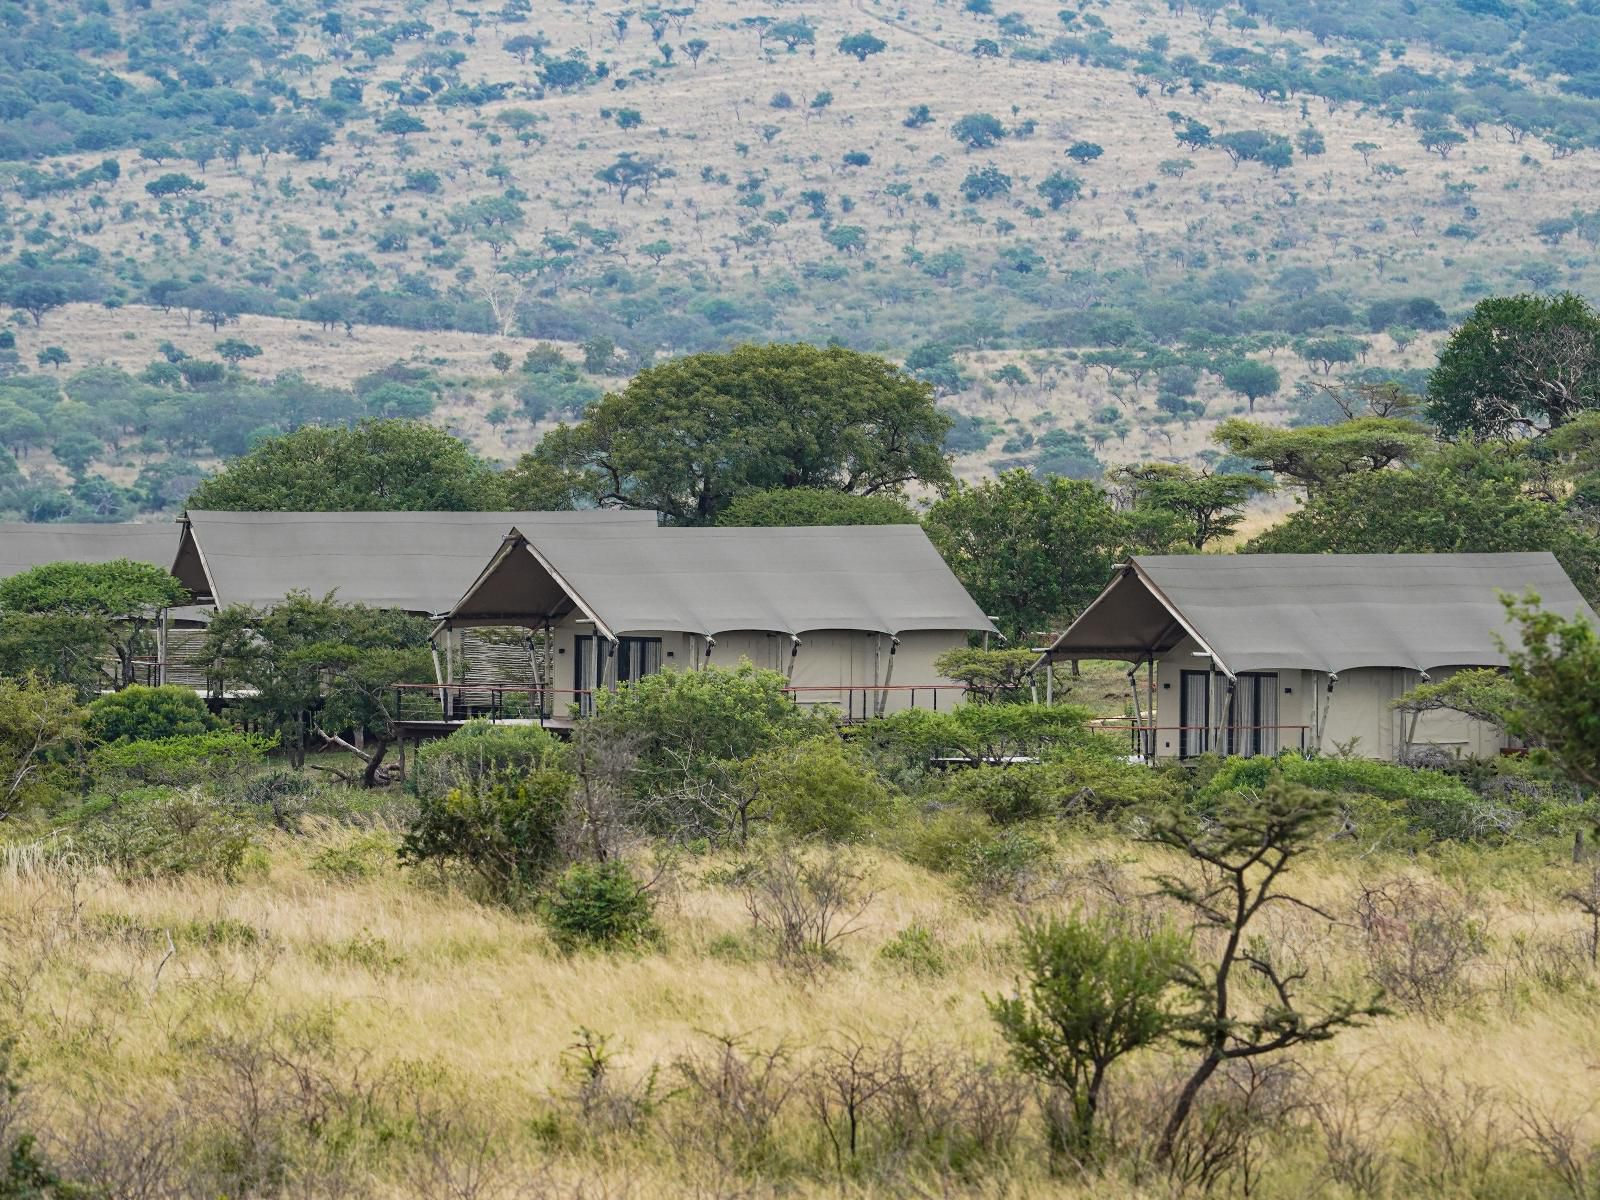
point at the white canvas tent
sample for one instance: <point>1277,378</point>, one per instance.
<point>1255,653</point>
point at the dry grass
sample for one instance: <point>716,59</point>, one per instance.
<point>467,1014</point>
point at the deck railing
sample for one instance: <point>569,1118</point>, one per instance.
<point>1244,740</point>
<point>455,702</point>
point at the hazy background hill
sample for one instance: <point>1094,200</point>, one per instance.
<point>345,187</point>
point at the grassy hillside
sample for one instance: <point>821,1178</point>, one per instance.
<point>461,173</point>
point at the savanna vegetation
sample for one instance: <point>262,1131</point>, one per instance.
<point>712,945</point>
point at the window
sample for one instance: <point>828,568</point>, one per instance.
<point>1194,713</point>
<point>638,657</point>
<point>1255,716</point>
<point>595,664</point>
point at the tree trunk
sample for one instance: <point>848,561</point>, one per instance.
<point>369,777</point>
<point>1185,1102</point>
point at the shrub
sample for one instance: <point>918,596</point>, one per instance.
<point>216,758</point>
<point>942,839</point>
<point>600,904</point>
<point>1003,794</point>
<point>915,950</point>
<point>814,789</point>
<point>1427,803</point>
<point>686,723</point>
<point>151,832</point>
<point>359,857</point>
<point>479,749</point>
<point>1089,782</point>
<point>1094,993</point>
<point>505,827</point>
<point>1002,865</point>
<point>139,714</point>
<point>980,733</point>
<point>41,728</point>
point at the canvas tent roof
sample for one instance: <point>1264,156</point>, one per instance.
<point>884,578</point>
<point>30,545</point>
<point>416,561</point>
<point>1318,612</point>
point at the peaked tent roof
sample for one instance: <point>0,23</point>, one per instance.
<point>31,545</point>
<point>1318,612</point>
<point>416,561</point>
<point>884,578</point>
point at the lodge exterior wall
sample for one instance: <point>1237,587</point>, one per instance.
<point>1355,716</point>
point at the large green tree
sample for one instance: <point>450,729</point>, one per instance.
<point>1518,365</point>
<point>378,466</point>
<point>314,668</point>
<point>1315,456</point>
<point>814,506</point>
<point>1033,552</point>
<point>1209,507</point>
<point>1467,498</point>
<point>688,437</point>
<point>65,619</point>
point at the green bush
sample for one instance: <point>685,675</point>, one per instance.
<point>1003,864</point>
<point>941,839</point>
<point>915,950</point>
<point>151,832</point>
<point>1005,795</point>
<point>218,757</point>
<point>689,724</point>
<point>816,788</point>
<point>1385,801</point>
<point>482,748</point>
<point>979,733</point>
<point>1086,781</point>
<point>144,714</point>
<point>506,827</point>
<point>599,904</point>
<point>359,857</point>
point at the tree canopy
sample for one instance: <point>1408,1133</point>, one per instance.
<point>1033,552</point>
<point>1315,456</point>
<point>1464,498</point>
<point>1518,365</point>
<point>377,466</point>
<point>690,436</point>
<point>62,618</point>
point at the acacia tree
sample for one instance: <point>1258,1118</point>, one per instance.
<point>1241,853</point>
<point>688,437</point>
<point>1315,456</point>
<point>862,45</point>
<point>1251,379</point>
<point>317,667</point>
<point>1209,506</point>
<point>84,610</point>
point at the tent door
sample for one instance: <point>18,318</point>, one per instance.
<point>1194,713</point>
<point>1255,715</point>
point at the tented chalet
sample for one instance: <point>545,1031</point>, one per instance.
<point>418,562</point>
<point>855,616</point>
<point>23,546</point>
<point>1256,653</point>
